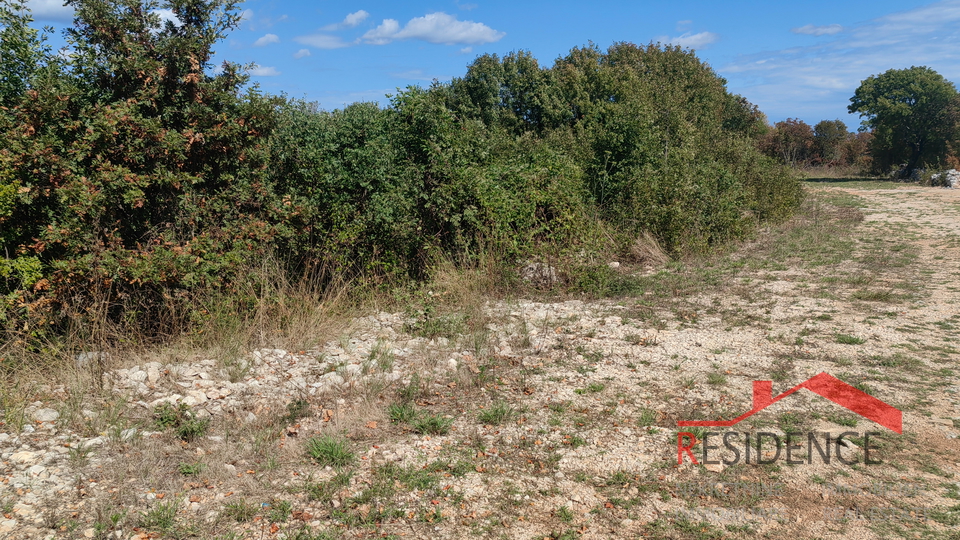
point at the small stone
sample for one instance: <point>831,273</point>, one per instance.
<point>714,467</point>
<point>45,415</point>
<point>7,525</point>
<point>36,470</point>
<point>539,274</point>
<point>24,457</point>
<point>171,399</point>
<point>613,264</point>
<point>332,379</point>
<point>138,376</point>
<point>194,398</point>
<point>89,533</point>
<point>89,443</point>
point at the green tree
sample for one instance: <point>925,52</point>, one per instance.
<point>908,112</point>
<point>138,172</point>
<point>828,136</point>
<point>22,51</point>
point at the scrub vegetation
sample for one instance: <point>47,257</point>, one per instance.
<point>145,194</point>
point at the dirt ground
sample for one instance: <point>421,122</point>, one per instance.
<point>549,418</point>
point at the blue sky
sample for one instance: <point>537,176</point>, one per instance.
<point>800,59</point>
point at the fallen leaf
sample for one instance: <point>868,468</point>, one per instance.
<point>372,425</point>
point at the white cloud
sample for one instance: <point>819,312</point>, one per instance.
<point>355,18</point>
<point>264,71</point>
<point>301,53</point>
<point>383,34</point>
<point>350,21</point>
<point>816,81</point>
<point>434,28</point>
<point>466,50</point>
<point>812,30</point>
<point>246,15</point>
<point>266,40</point>
<point>167,15</point>
<point>690,40</point>
<point>50,10</point>
<point>322,41</point>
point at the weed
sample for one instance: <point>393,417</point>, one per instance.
<point>168,415</point>
<point>575,441</point>
<point>789,422</point>
<point>716,378</point>
<point>647,417</point>
<point>496,414</point>
<point>296,409</point>
<point>279,511</point>
<point>162,517</point>
<point>845,339</point>
<point>408,393</point>
<point>240,511</point>
<point>325,491</point>
<point>192,428</point>
<point>432,424</point>
<point>179,417</point>
<point>329,450</point>
<point>401,413</point>
<point>843,420</point>
<point>592,388</point>
<point>565,514</point>
<point>874,296</point>
<point>382,357</point>
<point>79,454</point>
<point>191,469</point>
<point>558,406</point>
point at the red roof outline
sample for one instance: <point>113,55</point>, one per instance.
<point>826,386</point>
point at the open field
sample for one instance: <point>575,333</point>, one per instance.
<point>467,416</point>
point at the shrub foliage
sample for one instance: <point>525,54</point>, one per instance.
<point>134,176</point>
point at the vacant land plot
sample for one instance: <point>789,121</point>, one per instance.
<point>542,418</point>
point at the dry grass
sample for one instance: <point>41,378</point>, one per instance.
<point>646,251</point>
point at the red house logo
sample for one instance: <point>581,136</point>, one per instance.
<point>827,386</point>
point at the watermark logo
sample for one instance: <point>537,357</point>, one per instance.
<point>824,385</point>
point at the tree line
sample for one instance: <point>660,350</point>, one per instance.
<point>911,121</point>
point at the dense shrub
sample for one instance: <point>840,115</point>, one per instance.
<point>137,174</point>
<point>134,178</point>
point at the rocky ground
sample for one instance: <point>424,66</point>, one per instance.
<point>546,418</point>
